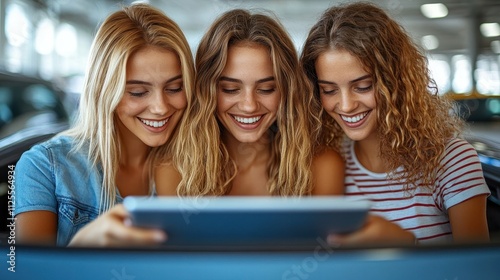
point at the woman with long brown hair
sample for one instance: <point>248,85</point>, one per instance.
<point>252,126</point>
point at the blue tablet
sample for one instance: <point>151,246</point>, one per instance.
<point>240,221</point>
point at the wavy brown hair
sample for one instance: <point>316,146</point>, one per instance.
<point>415,123</point>
<point>205,164</point>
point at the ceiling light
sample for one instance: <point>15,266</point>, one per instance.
<point>45,34</point>
<point>436,10</point>
<point>66,40</point>
<point>430,42</point>
<point>490,29</point>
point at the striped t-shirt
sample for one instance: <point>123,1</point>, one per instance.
<point>423,212</point>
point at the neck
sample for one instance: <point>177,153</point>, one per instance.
<point>368,154</point>
<point>133,152</point>
<point>246,155</point>
<point>133,157</point>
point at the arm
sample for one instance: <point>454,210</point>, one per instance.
<point>112,229</point>
<point>375,231</point>
<point>468,220</point>
<point>464,192</point>
<point>328,171</point>
<point>36,227</point>
<point>167,178</point>
<point>36,204</point>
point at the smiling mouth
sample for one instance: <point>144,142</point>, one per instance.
<point>154,123</point>
<point>243,120</point>
<point>356,118</point>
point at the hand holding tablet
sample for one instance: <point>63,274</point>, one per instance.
<point>247,221</point>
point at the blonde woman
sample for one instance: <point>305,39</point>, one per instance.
<point>253,124</point>
<point>137,87</point>
<point>403,150</point>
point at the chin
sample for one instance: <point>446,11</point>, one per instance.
<point>158,143</point>
<point>247,140</point>
<point>357,136</point>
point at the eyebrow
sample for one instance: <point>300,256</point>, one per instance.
<point>228,79</point>
<point>138,82</point>
<point>351,82</point>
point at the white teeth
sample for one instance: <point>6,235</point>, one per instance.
<point>354,119</point>
<point>154,123</point>
<point>247,120</point>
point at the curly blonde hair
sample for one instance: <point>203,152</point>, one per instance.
<point>415,123</point>
<point>203,159</point>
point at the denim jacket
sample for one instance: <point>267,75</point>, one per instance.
<point>52,177</point>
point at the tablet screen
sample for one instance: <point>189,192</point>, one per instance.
<point>214,221</point>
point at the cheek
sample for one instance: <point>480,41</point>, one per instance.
<point>373,101</point>
<point>224,103</point>
<point>274,101</point>
<point>126,107</point>
<point>327,102</point>
<point>276,104</point>
<point>219,107</point>
<point>179,102</point>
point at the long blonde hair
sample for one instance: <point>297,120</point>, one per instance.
<point>204,163</point>
<point>415,123</point>
<point>120,35</point>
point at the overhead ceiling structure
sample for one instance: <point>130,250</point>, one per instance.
<point>456,29</point>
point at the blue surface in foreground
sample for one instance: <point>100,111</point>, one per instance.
<point>320,262</point>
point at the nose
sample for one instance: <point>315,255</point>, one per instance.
<point>249,102</point>
<point>347,102</point>
<point>158,103</point>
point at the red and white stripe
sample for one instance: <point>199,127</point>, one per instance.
<point>422,211</point>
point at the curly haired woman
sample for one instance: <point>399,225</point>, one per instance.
<point>402,145</point>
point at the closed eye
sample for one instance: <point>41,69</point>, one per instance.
<point>137,94</point>
<point>173,90</point>
<point>364,89</point>
<point>230,90</point>
<point>267,91</point>
<point>328,91</point>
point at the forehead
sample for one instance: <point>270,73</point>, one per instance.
<point>153,59</point>
<point>335,63</point>
<point>248,60</point>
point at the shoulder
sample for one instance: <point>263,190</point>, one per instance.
<point>460,176</point>
<point>167,179</point>
<point>57,149</point>
<point>460,145</point>
<point>459,160</point>
<point>459,152</point>
<point>328,171</point>
<point>57,144</point>
<point>52,172</point>
<point>327,156</point>
<point>56,160</point>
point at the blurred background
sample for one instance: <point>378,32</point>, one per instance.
<point>51,38</point>
<point>44,46</point>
